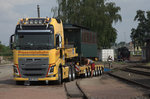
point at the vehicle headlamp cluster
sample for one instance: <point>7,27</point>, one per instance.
<point>51,69</point>
<point>16,71</point>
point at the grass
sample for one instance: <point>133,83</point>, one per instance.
<point>147,64</point>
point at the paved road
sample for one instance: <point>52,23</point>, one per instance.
<point>5,70</point>
<point>97,87</point>
<point>73,91</point>
<point>8,89</point>
<point>107,87</point>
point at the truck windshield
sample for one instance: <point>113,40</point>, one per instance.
<point>34,41</point>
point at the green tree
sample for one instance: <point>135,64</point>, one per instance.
<point>5,50</point>
<point>94,14</point>
<point>142,32</point>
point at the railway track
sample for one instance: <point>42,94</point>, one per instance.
<point>74,91</point>
<point>137,70</point>
<point>139,75</point>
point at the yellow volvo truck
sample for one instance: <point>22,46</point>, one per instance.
<point>39,52</point>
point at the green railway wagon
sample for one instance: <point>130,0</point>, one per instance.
<point>82,38</point>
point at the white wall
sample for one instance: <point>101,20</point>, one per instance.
<point>104,53</point>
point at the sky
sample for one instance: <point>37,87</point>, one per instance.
<point>12,10</point>
<point>128,12</point>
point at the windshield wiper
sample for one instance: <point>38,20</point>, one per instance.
<point>34,47</point>
<point>44,47</point>
<point>26,47</point>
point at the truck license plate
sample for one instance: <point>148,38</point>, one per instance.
<point>33,79</point>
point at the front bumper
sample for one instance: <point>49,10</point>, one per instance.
<point>36,79</point>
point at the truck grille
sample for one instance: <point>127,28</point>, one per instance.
<point>33,67</point>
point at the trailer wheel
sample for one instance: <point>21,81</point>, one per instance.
<point>59,81</point>
<point>85,74</point>
<point>73,74</point>
<point>94,73</point>
<point>89,73</point>
<point>99,71</point>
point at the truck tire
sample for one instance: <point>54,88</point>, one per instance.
<point>73,74</point>
<point>94,73</point>
<point>85,74</point>
<point>69,75</point>
<point>89,73</point>
<point>59,81</point>
<point>99,71</point>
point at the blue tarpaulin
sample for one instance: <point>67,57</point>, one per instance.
<point>107,69</point>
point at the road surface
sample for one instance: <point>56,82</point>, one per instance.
<point>8,89</point>
<point>104,87</point>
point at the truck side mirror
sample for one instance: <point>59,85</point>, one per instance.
<point>11,41</point>
<point>58,41</point>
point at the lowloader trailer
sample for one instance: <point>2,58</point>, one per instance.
<point>40,53</point>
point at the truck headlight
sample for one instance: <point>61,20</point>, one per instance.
<point>51,70</point>
<point>16,71</point>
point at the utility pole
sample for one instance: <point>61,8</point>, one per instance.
<point>125,39</point>
<point>38,10</point>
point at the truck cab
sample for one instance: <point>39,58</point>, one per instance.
<point>38,50</point>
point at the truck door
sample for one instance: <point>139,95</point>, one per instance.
<point>59,48</point>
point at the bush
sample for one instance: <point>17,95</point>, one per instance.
<point>5,50</point>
